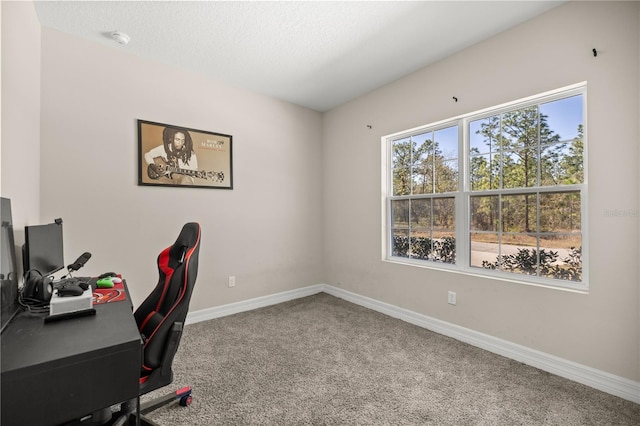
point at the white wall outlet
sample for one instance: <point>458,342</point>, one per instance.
<point>232,281</point>
<point>451,297</point>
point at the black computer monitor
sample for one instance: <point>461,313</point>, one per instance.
<point>8,266</point>
<point>43,249</point>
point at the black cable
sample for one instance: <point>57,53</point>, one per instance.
<point>35,306</point>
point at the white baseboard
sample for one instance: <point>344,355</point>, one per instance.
<point>597,379</point>
<point>251,304</point>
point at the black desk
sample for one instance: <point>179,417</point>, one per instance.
<point>57,372</point>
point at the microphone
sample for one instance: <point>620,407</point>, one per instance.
<point>80,262</point>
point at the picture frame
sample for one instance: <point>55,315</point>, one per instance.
<point>178,156</point>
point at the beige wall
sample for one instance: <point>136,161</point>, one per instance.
<point>20,166</point>
<point>266,231</point>
<point>600,329</point>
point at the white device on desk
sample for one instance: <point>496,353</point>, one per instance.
<point>66,304</point>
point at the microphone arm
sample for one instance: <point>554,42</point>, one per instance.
<point>80,262</point>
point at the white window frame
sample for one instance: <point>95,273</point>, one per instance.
<point>464,193</point>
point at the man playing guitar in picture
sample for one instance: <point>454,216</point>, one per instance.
<point>172,161</point>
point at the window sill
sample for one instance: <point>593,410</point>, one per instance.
<point>581,288</point>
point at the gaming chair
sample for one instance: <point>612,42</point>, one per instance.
<point>161,318</point>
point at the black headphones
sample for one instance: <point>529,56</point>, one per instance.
<point>37,287</point>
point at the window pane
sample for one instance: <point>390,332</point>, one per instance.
<point>561,256</point>
<point>420,245</point>
<point>446,143</point>
<point>400,229</point>
<point>443,214</point>
<point>484,172</point>
<point>446,160</point>
<point>421,214</point>
<point>401,153</point>
<point>484,250</point>
<point>400,243</point>
<point>519,169</point>
<point>484,213</point>
<point>422,175</point>
<point>520,129</point>
<point>552,162</point>
<point>401,163</point>
<point>401,182</point>
<point>562,164</point>
<point>573,163</point>
<point>519,254</point>
<point>423,145</point>
<point>560,212</point>
<point>446,176</point>
<point>444,248</point>
<point>519,213</point>
<point>443,232</point>
<point>520,148</point>
<point>563,117</point>
<point>484,135</point>
<point>400,214</point>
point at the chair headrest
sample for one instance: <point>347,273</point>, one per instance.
<point>188,238</point>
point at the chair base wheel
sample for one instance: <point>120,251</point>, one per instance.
<point>186,400</point>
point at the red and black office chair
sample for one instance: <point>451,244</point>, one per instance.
<point>161,318</point>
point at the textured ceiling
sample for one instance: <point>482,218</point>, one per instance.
<point>317,54</point>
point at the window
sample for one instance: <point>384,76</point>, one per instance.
<point>499,192</point>
<point>425,175</point>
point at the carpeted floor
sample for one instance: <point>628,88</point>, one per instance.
<point>321,360</point>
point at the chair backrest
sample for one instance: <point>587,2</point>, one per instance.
<point>168,303</point>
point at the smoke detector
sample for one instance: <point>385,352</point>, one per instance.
<point>120,37</point>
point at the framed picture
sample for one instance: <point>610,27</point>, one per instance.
<point>171,155</point>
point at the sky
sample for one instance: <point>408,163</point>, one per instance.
<point>563,117</point>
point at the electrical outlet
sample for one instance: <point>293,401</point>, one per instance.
<point>232,281</point>
<point>451,297</point>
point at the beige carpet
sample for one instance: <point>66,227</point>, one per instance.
<point>321,360</point>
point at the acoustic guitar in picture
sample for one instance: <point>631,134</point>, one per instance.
<point>160,168</point>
